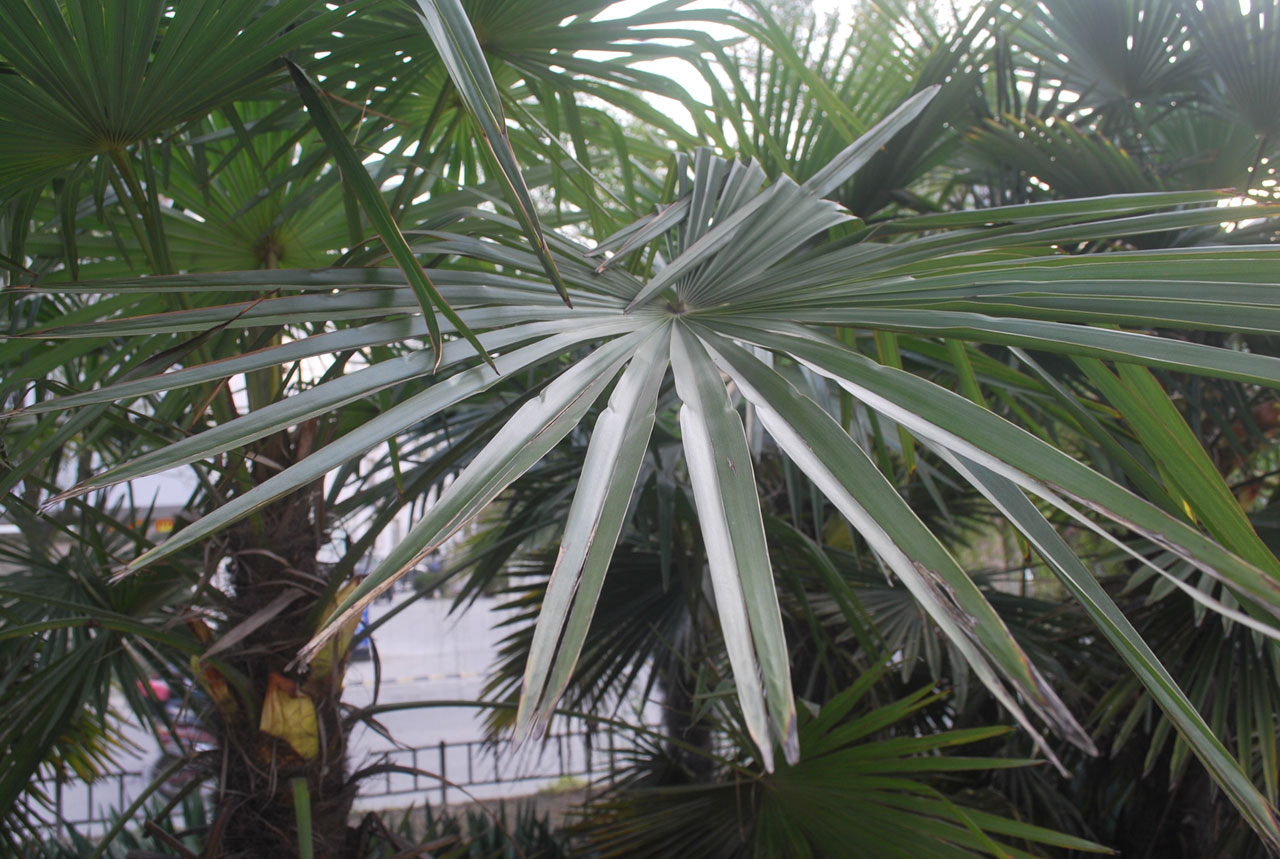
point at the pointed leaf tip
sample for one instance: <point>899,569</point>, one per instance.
<point>455,39</point>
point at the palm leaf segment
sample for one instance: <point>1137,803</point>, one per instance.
<point>741,298</point>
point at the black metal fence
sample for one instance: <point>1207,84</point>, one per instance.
<point>90,807</point>
<point>439,774</point>
<point>461,771</point>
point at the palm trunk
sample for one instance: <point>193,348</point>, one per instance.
<point>678,719</point>
<point>266,747</point>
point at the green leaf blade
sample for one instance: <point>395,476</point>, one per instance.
<point>537,427</point>
<point>849,478</point>
<point>719,463</point>
<point>1225,771</point>
<point>455,39</point>
<point>618,444</point>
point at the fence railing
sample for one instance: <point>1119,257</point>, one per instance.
<point>461,771</point>
<point>440,774</point>
<point>90,807</point>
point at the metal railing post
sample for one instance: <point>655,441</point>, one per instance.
<point>613,754</point>
<point>444,774</point>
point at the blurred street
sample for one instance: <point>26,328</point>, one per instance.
<point>424,655</point>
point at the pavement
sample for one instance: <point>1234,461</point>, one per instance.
<point>426,654</point>
<point>424,644</point>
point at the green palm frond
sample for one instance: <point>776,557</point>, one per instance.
<point>868,784</point>
<point>88,79</point>
<point>810,89</point>
<point>68,638</point>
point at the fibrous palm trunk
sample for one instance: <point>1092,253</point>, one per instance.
<point>292,727</point>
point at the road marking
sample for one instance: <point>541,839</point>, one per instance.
<point>409,680</point>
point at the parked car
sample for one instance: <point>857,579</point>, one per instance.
<point>362,643</point>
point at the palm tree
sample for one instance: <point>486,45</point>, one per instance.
<point>211,165</point>
<point>212,180</point>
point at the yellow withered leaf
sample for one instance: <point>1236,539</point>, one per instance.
<point>289,714</point>
<point>335,651</point>
<point>215,686</point>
